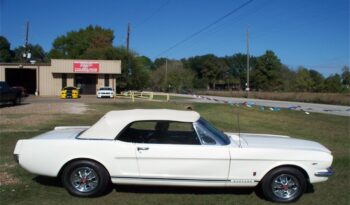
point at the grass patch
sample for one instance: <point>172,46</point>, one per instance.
<point>332,131</point>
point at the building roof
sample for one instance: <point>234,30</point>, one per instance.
<point>109,126</point>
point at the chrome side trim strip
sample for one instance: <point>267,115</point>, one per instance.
<point>175,179</point>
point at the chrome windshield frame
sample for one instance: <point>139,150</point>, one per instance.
<point>220,138</point>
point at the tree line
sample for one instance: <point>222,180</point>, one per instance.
<point>267,72</point>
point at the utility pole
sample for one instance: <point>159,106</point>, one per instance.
<point>26,55</point>
<point>166,73</point>
<point>127,48</point>
<point>128,38</point>
<point>27,33</point>
<point>248,68</point>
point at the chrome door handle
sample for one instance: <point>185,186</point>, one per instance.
<point>142,148</point>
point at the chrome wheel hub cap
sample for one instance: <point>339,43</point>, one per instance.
<point>285,186</point>
<point>84,179</point>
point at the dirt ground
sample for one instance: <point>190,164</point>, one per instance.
<point>33,114</point>
<point>45,108</point>
<point>5,177</point>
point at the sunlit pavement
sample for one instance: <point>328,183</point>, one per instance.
<point>306,107</point>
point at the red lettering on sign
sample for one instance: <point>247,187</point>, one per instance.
<point>86,67</point>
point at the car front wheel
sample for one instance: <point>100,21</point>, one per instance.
<point>17,100</point>
<point>85,178</point>
<point>285,184</point>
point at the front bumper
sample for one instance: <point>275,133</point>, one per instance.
<point>68,96</point>
<point>108,95</point>
<point>16,157</point>
<point>325,173</point>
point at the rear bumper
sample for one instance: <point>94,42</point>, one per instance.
<point>325,173</point>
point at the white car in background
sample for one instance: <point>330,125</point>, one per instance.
<point>173,148</point>
<point>105,92</point>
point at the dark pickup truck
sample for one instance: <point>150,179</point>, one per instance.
<point>8,94</point>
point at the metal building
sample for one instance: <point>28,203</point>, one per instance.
<point>47,79</point>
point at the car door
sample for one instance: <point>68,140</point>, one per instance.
<point>177,154</point>
<point>124,162</point>
<point>4,92</point>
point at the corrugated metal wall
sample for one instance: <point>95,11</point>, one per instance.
<point>2,73</point>
<point>49,83</point>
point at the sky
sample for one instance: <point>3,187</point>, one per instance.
<point>310,33</point>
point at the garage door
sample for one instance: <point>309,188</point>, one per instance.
<point>21,77</point>
<point>86,83</point>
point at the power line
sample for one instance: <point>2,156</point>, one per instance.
<point>223,26</point>
<point>206,27</point>
<point>138,25</point>
<point>152,14</point>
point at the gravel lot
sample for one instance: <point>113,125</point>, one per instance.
<point>45,108</point>
<point>54,105</point>
<point>35,111</point>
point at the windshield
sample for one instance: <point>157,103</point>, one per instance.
<point>219,136</point>
<point>105,88</point>
<point>69,88</point>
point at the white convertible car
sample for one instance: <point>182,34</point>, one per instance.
<point>177,148</point>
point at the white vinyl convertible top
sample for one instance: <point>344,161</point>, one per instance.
<point>109,126</point>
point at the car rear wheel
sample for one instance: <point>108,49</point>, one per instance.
<point>85,178</point>
<point>285,184</point>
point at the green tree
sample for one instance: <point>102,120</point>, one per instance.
<point>318,81</point>
<point>333,83</point>
<point>134,75</point>
<point>159,62</point>
<point>288,78</point>
<point>303,81</point>
<point>5,51</point>
<point>93,42</point>
<point>209,68</point>
<point>346,77</point>
<point>237,65</point>
<point>145,62</point>
<point>140,75</point>
<point>175,77</point>
<point>265,75</point>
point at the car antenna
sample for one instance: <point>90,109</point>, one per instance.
<point>239,131</point>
